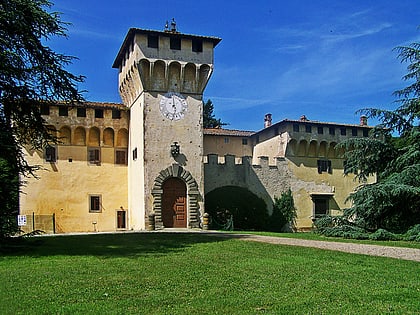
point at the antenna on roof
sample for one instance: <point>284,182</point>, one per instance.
<point>173,25</point>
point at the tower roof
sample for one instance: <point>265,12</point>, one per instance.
<point>133,31</point>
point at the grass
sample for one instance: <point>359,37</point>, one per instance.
<point>192,273</point>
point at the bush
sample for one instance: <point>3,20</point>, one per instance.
<point>383,235</point>
<point>284,213</point>
<point>339,226</point>
<point>249,212</point>
<point>413,234</point>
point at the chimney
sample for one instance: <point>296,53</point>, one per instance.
<point>267,120</point>
<point>303,118</point>
<point>363,120</point>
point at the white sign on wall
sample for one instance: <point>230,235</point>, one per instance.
<point>21,220</point>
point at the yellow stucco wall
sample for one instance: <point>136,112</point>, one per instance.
<point>64,187</point>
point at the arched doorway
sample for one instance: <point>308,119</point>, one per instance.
<point>174,203</point>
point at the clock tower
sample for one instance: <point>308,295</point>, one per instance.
<point>162,77</point>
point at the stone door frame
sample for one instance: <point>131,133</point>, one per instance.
<point>193,195</point>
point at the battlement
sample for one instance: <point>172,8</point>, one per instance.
<point>230,160</point>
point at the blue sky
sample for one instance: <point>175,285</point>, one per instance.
<point>325,59</point>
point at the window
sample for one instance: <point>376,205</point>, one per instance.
<point>244,141</point>
<point>226,140</point>
<point>95,204</point>
<point>63,111</point>
<point>116,114</point>
<point>197,45</point>
<point>365,132</point>
<point>296,128</point>
<point>50,154</point>
<point>94,156</point>
<point>99,113</point>
<point>81,112</point>
<point>135,154</point>
<point>121,219</point>
<point>320,130</point>
<point>308,128</point>
<point>343,131</point>
<point>332,131</point>
<point>175,43</point>
<point>153,41</point>
<point>45,109</point>
<point>121,157</point>
<point>321,206</point>
<point>354,132</point>
<point>324,166</point>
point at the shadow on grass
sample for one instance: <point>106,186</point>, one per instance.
<point>107,245</point>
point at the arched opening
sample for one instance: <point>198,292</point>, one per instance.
<point>189,78</point>
<point>122,138</point>
<point>303,144</point>
<point>248,211</point>
<point>174,203</point>
<point>65,135</point>
<point>109,137</point>
<point>94,137</point>
<point>291,148</point>
<point>159,74</point>
<point>174,76</point>
<point>80,136</point>
<point>312,148</point>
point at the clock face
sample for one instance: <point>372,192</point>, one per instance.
<point>173,106</point>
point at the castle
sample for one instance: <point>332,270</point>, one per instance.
<point>117,165</point>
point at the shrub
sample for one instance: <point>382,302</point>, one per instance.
<point>383,235</point>
<point>284,213</point>
<point>249,212</point>
<point>413,234</point>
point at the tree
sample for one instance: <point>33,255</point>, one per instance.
<point>31,74</point>
<point>209,121</point>
<point>392,152</point>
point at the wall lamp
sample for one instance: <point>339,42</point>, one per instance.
<point>175,149</point>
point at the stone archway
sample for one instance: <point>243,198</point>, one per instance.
<point>193,195</point>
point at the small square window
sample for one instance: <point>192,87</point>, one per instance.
<point>244,141</point>
<point>197,45</point>
<point>296,128</point>
<point>63,111</point>
<point>45,109</point>
<point>308,128</point>
<point>320,130</point>
<point>324,166</point>
<point>343,131</point>
<point>121,157</point>
<point>175,43</point>
<point>99,113</point>
<point>321,206</point>
<point>116,114</point>
<point>81,112</point>
<point>332,131</point>
<point>153,41</point>
<point>95,204</point>
<point>94,156</point>
<point>354,132</point>
<point>50,154</point>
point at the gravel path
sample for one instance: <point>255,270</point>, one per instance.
<point>365,249</point>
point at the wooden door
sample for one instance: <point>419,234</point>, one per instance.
<point>174,203</point>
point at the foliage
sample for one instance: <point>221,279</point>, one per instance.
<point>31,74</point>
<point>249,211</point>
<point>209,120</point>
<point>393,201</point>
<point>413,234</point>
<point>204,273</point>
<point>284,213</point>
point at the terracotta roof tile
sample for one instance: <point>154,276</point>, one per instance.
<point>228,132</point>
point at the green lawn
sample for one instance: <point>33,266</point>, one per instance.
<point>192,273</point>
